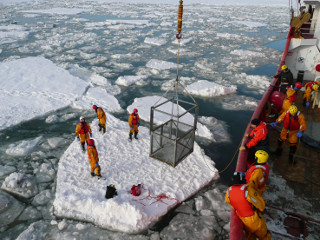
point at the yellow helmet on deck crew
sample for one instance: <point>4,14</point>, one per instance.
<point>293,109</point>
<point>284,67</point>
<point>315,87</point>
<point>261,157</point>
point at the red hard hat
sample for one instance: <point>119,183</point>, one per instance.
<point>91,142</point>
<point>94,107</point>
<point>298,85</point>
<point>135,110</point>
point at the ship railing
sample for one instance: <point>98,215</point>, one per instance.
<point>236,225</point>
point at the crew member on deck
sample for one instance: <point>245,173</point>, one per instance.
<point>258,172</point>
<point>293,127</point>
<point>83,131</point>
<point>286,78</point>
<point>248,205</point>
<point>258,137</point>
<point>308,89</point>
<point>102,118</point>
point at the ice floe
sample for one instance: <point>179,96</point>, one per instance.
<point>80,196</point>
<point>33,86</point>
<point>204,88</point>
<point>130,80</point>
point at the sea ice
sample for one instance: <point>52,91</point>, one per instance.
<point>129,80</point>
<point>99,97</point>
<point>79,196</point>
<point>144,105</point>
<point>10,209</point>
<point>34,86</point>
<point>22,185</point>
<point>205,88</point>
<point>161,65</point>
<point>23,147</point>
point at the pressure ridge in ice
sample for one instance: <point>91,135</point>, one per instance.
<point>80,196</point>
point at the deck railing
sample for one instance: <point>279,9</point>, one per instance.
<point>236,226</point>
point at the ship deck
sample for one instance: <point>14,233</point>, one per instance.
<point>304,175</point>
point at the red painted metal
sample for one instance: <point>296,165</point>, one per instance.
<point>318,68</point>
<point>236,226</point>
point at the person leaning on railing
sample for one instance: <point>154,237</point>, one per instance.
<point>286,78</point>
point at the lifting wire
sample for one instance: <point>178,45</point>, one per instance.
<point>228,165</point>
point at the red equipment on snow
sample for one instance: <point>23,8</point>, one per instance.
<point>136,190</point>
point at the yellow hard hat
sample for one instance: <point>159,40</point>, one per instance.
<point>284,67</point>
<point>293,109</point>
<point>261,156</point>
<point>315,87</point>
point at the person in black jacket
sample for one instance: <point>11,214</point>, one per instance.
<point>286,78</point>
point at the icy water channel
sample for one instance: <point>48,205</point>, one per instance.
<point>228,45</point>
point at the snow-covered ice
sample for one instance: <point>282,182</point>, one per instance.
<point>23,147</point>
<point>161,65</point>
<point>144,105</point>
<point>99,97</point>
<point>129,80</point>
<point>22,185</point>
<point>208,89</point>
<point>33,86</point>
<point>123,163</point>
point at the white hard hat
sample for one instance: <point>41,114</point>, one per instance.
<point>81,118</point>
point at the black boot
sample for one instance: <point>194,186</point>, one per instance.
<point>135,135</point>
<point>100,127</point>
<point>82,146</point>
<point>104,129</point>
<point>130,137</point>
<point>92,174</point>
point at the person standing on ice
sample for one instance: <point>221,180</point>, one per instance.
<point>259,139</point>
<point>93,158</point>
<point>134,122</point>
<point>248,205</point>
<point>102,118</point>
<point>286,78</point>
<point>258,172</point>
<point>293,127</point>
<point>83,131</point>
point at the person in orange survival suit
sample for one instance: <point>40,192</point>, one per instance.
<point>93,158</point>
<point>259,139</point>
<point>308,89</point>
<point>293,127</point>
<point>102,118</point>
<point>258,173</point>
<point>83,131</point>
<point>291,97</point>
<point>248,204</point>
<point>134,122</point>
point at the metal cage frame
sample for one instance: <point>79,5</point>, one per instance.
<point>170,133</point>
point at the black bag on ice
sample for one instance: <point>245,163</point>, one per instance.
<point>111,192</point>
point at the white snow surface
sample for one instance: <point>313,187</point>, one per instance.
<point>100,97</point>
<point>204,88</point>
<point>130,80</point>
<point>80,196</point>
<point>161,65</point>
<point>33,86</point>
<point>22,185</point>
<point>145,103</point>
